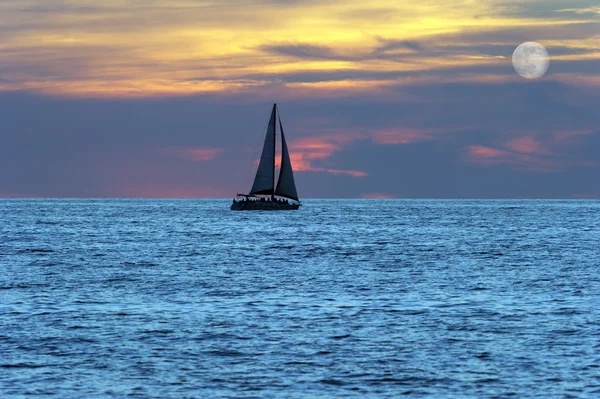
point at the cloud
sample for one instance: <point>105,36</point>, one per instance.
<point>523,153</point>
<point>564,135</point>
<point>487,154</point>
<point>304,152</point>
<point>492,156</point>
<point>387,46</point>
<point>526,145</point>
<point>353,173</point>
<point>184,47</point>
<point>585,10</point>
<point>194,153</point>
<point>420,86</point>
<point>414,148</point>
<point>309,51</point>
<point>312,51</point>
<point>309,154</point>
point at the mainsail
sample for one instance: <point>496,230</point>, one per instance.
<point>265,175</point>
<point>286,187</point>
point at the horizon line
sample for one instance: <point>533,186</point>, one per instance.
<point>309,198</point>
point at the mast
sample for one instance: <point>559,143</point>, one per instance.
<point>274,144</point>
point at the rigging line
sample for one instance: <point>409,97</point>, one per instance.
<point>275,115</point>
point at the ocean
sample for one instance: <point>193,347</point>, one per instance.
<point>341,299</point>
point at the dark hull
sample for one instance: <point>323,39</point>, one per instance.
<point>263,206</point>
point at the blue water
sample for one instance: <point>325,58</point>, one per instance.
<point>344,298</point>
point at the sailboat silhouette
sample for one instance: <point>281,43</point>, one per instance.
<point>265,195</point>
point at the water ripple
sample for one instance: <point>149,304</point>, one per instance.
<point>345,298</point>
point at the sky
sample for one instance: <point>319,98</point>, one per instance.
<point>399,99</point>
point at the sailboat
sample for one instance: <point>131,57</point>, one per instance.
<point>265,195</point>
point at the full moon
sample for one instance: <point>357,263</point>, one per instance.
<point>531,60</point>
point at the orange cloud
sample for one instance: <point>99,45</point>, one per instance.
<point>301,162</point>
<point>526,145</point>
<point>531,153</point>
<point>492,156</point>
<point>355,173</point>
<point>306,150</point>
<point>487,154</point>
<point>195,153</point>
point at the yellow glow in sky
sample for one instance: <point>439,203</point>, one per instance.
<point>126,48</point>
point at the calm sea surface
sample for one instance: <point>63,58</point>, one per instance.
<point>344,298</point>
